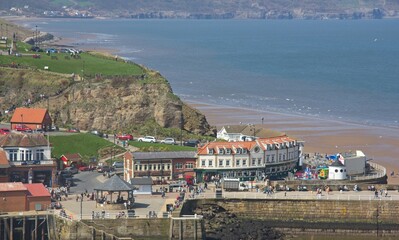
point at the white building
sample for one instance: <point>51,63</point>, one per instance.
<point>249,132</point>
<point>336,171</point>
<point>355,163</point>
<point>270,157</point>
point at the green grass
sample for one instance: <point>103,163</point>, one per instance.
<point>88,64</point>
<point>158,147</point>
<point>87,145</point>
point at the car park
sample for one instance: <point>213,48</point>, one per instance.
<point>191,143</point>
<point>169,141</point>
<point>149,139</point>
<point>4,131</point>
<point>124,137</point>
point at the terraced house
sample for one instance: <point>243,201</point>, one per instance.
<point>272,157</point>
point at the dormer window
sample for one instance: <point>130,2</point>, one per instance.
<point>228,151</point>
<point>238,151</point>
<point>221,151</point>
<point>244,151</point>
<point>211,151</point>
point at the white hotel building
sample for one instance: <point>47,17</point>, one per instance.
<point>271,157</point>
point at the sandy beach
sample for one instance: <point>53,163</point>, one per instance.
<point>320,136</point>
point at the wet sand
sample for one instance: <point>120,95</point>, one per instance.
<point>320,136</point>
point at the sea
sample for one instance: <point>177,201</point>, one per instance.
<point>345,70</point>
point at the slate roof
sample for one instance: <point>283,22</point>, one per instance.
<point>337,163</point>
<point>23,140</point>
<point>248,130</point>
<point>28,115</point>
<point>114,184</point>
<point>163,155</point>
<point>141,181</point>
<point>3,160</point>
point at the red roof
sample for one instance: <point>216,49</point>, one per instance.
<point>37,190</point>
<point>12,187</point>
<point>29,115</point>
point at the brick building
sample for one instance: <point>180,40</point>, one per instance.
<point>34,118</point>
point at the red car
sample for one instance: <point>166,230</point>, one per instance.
<point>23,128</point>
<point>74,130</point>
<point>4,131</point>
<point>124,137</point>
<point>84,168</point>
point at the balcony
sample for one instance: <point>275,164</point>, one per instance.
<point>31,162</point>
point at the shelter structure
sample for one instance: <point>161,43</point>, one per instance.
<point>115,184</point>
<point>142,185</point>
<point>336,171</point>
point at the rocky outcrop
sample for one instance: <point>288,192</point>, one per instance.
<point>103,103</point>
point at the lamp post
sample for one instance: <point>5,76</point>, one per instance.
<point>81,207</point>
<point>262,120</point>
<point>181,129</point>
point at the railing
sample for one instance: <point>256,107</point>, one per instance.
<point>350,196</point>
<point>31,162</point>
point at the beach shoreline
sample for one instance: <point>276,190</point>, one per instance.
<point>324,136</point>
<point>379,144</point>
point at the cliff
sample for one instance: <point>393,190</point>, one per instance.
<point>109,103</point>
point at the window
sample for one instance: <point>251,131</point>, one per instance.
<point>136,167</point>
<point>190,165</point>
<point>210,163</point>
<point>40,154</point>
<point>220,163</point>
<point>22,155</point>
<point>145,167</point>
<point>179,165</point>
<point>159,166</point>
<point>168,166</point>
<point>244,162</point>
<point>28,155</point>
<point>272,157</point>
<point>203,163</point>
<point>13,154</point>
<point>227,162</point>
<point>283,157</point>
<point>279,157</point>
<point>244,151</point>
<point>211,151</point>
<point>238,151</point>
<point>228,151</point>
<point>150,167</point>
<point>220,151</point>
<point>267,158</point>
<point>238,162</point>
<point>253,161</point>
<point>140,167</point>
<point>259,161</point>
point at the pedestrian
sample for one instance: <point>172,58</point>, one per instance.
<point>77,198</point>
<point>125,204</point>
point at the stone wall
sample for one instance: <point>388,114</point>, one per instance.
<point>314,215</point>
<point>187,228</point>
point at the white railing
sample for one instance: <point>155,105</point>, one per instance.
<point>351,196</point>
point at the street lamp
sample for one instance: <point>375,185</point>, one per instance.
<point>81,207</point>
<point>262,120</point>
<point>181,129</point>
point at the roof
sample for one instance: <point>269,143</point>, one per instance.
<point>73,156</point>
<point>114,184</point>
<point>23,140</point>
<point>163,155</point>
<point>141,181</point>
<point>228,145</point>
<point>28,115</point>
<point>234,128</point>
<point>337,163</point>
<point>12,187</point>
<point>3,160</point>
<point>37,190</point>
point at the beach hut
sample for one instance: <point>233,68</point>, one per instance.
<point>336,171</point>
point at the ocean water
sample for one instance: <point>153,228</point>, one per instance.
<point>339,70</point>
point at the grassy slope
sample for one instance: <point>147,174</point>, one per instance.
<point>158,147</point>
<point>88,63</point>
<point>86,144</point>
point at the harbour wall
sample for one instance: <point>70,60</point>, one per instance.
<point>327,216</point>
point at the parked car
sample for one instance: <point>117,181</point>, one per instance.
<point>84,168</point>
<point>104,169</point>
<point>23,128</point>
<point>169,141</point>
<point>54,128</point>
<point>73,170</point>
<point>150,139</point>
<point>74,130</point>
<point>124,137</point>
<point>98,133</point>
<point>4,131</point>
<point>191,143</point>
<point>117,165</point>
